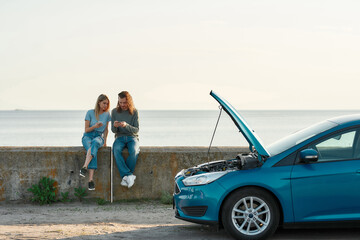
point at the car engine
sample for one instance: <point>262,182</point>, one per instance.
<point>241,162</point>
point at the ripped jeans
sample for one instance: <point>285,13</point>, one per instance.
<point>92,140</point>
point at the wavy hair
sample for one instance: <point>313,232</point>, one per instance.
<point>101,98</point>
<point>130,102</point>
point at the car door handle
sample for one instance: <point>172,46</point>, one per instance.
<point>358,171</point>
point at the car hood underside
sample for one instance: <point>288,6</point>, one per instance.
<point>251,137</point>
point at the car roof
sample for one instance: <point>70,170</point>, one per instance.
<point>354,118</point>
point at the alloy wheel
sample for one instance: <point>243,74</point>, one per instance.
<point>251,215</point>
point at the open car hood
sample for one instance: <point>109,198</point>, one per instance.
<point>249,134</point>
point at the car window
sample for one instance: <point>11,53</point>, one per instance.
<point>298,137</point>
<point>337,147</point>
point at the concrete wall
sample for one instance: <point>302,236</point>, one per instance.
<point>21,167</point>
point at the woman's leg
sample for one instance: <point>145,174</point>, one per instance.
<point>88,158</point>
<point>96,143</point>
<point>86,141</point>
<point>118,147</point>
<point>91,174</point>
<point>134,150</point>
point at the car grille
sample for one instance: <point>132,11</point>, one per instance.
<point>176,189</point>
<point>197,211</point>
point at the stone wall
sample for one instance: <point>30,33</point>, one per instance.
<point>21,167</point>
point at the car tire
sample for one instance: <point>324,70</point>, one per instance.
<point>251,214</point>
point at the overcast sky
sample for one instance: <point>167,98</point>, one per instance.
<point>169,54</point>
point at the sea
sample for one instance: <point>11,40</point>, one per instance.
<point>159,127</point>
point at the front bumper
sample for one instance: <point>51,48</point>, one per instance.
<point>199,204</point>
<point>199,221</point>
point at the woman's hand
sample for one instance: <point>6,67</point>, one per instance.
<point>123,124</point>
<point>90,129</point>
<point>120,124</point>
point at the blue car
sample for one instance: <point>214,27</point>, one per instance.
<point>307,178</point>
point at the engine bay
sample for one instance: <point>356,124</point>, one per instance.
<point>241,162</point>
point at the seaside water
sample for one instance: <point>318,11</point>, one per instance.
<point>157,128</point>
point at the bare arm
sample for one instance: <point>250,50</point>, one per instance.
<point>106,133</point>
<point>90,129</point>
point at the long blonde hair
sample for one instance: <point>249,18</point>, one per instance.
<point>101,98</point>
<point>130,102</point>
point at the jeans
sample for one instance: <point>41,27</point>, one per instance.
<point>93,141</point>
<point>126,167</point>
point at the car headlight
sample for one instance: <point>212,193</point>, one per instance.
<point>202,179</point>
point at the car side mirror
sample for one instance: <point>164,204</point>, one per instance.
<point>309,156</point>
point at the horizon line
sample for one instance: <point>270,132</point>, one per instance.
<point>302,109</point>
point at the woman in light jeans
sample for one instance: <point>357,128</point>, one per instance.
<point>125,125</point>
<point>95,135</point>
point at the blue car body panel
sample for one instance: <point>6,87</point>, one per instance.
<point>213,194</point>
<point>335,196</point>
<point>198,196</point>
<point>314,192</point>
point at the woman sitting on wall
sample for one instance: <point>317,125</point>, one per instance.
<point>96,131</point>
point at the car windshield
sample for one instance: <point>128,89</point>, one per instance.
<point>298,137</point>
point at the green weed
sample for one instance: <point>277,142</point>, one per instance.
<point>80,193</point>
<point>44,191</point>
<point>101,201</point>
<point>65,197</point>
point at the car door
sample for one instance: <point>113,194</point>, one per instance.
<point>329,189</point>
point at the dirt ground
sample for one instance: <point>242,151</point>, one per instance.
<point>136,220</point>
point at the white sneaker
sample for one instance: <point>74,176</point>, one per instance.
<point>131,180</point>
<point>124,182</point>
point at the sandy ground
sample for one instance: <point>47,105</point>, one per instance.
<point>136,220</point>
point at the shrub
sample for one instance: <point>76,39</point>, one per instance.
<point>44,191</point>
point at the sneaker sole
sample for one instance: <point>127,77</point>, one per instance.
<point>91,189</point>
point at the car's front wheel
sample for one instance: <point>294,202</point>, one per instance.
<point>251,214</point>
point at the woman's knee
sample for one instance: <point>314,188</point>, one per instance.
<point>97,142</point>
<point>134,148</point>
<point>133,151</point>
<point>86,143</point>
<point>118,148</point>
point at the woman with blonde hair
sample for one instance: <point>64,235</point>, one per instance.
<point>125,125</point>
<point>96,131</point>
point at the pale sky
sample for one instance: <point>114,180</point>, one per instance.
<point>168,54</point>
